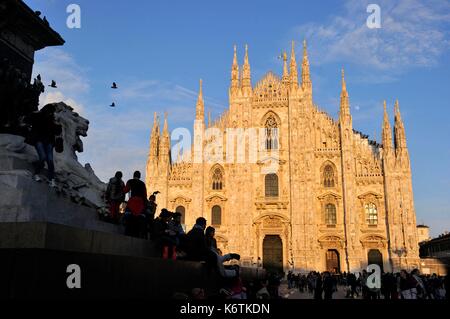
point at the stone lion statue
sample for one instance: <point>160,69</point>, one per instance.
<point>81,182</point>
<point>74,180</point>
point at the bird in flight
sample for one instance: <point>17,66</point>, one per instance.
<point>113,104</point>
<point>114,85</point>
<point>53,85</point>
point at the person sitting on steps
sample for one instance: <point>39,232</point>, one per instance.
<point>163,236</point>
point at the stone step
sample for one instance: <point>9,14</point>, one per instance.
<point>45,235</point>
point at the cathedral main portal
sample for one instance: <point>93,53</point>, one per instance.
<point>273,253</point>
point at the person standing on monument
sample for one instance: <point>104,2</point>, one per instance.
<point>44,131</point>
<point>138,194</point>
<point>136,205</point>
<point>115,195</point>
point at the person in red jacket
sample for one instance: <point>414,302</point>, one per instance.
<point>138,194</point>
<point>136,206</point>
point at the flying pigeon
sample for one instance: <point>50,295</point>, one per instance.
<point>53,85</point>
<point>114,85</point>
<point>113,104</point>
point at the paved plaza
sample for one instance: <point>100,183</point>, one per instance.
<point>294,293</point>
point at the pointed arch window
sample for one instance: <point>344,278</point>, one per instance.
<point>271,183</point>
<point>217,178</point>
<point>328,176</point>
<point>371,214</point>
<point>216,215</point>
<point>330,214</point>
<point>271,127</point>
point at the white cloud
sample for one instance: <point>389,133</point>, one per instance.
<point>72,80</point>
<point>413,34</point>
<point>58,96</point>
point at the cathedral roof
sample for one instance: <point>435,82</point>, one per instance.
<point>269,81</point>
<point>268,88</point>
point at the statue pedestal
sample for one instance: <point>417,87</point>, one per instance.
<point>24,200</point>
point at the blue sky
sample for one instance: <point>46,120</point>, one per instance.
<point>157,50</point>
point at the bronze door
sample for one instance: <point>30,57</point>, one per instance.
<point>333,260</point>
<point>273,254</point>
<point>375,257</point>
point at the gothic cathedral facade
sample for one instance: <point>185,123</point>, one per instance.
<point>337,201</point>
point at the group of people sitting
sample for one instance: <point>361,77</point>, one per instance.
<point>199,244</point>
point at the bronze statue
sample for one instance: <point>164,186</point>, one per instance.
<point>18,98</point>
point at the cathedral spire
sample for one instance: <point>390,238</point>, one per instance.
<point>344,85</point>
<point>154,138</point>
<point>200,107</point>
<point>293,68</point>
<point>306,76</point>
<point>246,74</point>
<point>386,133</point>
<point>285,78</point>
<point>344,112</point>
<point>165,128</point>
<point>399,129</point>
<point>155,123</point>
<point>234,72</point>
<point>246,55</point>
<point>164,148</point>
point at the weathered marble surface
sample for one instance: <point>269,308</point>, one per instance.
<point>75,201</point>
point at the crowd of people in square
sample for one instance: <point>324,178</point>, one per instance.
<point>393,286</point>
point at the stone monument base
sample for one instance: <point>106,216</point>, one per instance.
<point>35,256</point>
<point>43,273</point>
<point>22,200</point>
